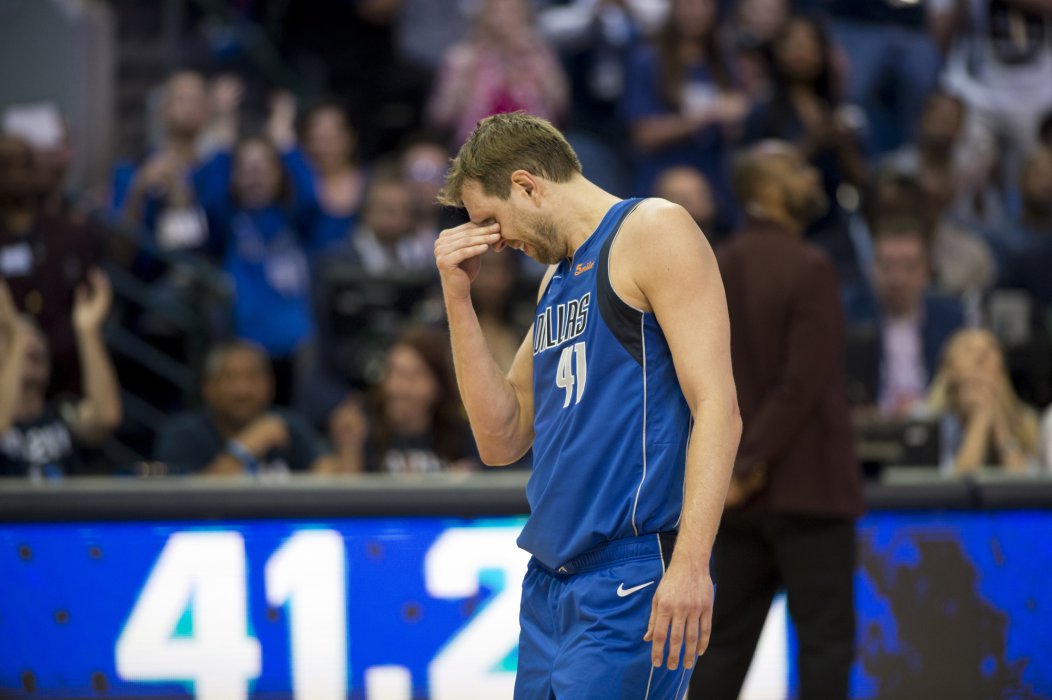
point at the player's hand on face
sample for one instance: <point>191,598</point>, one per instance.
<point>458,255</point>
<point>681,614</point>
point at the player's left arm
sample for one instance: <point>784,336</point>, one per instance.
<point>674,268</point>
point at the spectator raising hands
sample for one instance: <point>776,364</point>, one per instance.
<point>504,66</point>
<point>39,438</point>
<point>163,181</point>
<point>331,146</point>
<point>99,413</point>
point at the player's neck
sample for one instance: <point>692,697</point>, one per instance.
<point>581,206</point>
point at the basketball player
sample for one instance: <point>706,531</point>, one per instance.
<point>623,388</point>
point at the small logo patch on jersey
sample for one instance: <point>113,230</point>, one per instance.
<point>622,591</point>
<point>583,267</point>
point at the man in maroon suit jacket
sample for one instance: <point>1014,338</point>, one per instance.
<point>796,491</point>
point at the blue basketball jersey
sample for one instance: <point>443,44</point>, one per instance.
<point>610,419</point>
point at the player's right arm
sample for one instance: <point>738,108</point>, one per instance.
<point>499,407</point>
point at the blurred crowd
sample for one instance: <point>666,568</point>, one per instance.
<point>309,209</point>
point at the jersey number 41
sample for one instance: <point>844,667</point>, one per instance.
<point>571,373</point>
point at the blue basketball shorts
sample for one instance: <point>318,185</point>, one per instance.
<point>582,626</point>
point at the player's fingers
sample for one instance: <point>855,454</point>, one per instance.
<point>465,241</point>
<point>468,228</point>
<point>459,255</point>
<point>706,630</point>
<point>675,642</point>
<point>452,254</point>
<point>690,642</point>
<point>444,249</point>
<point>650,624</point>
<point>446,233</point>
<point>657,649</point>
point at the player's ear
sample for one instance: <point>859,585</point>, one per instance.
<point>525,183</point>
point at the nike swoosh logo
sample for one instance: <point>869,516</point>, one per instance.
<point>622,591</point>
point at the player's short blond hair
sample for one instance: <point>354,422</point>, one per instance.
<point>502,144</point>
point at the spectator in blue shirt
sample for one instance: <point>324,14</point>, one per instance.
<point>160,196</point>
<point>264,251</point>
<point>893,61</point>
<point>331,146</point>
<point>681,99</point>
<point>594,40</point>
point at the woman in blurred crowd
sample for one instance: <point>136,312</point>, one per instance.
<point>682,99</point>
<point>331,145</point>
<point>750,31</point>
<point>263,248</point>
<point>504,66</point>
<point>805,109</point>
<point>985,422</point>
<point>414,422</point>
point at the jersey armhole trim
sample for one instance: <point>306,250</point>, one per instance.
<point>623,319</point>
<point>608,247</point>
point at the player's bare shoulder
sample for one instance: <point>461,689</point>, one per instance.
<point>659,221</point>
<point>654,242</point>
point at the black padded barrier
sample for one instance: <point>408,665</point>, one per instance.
<point>458,495</point>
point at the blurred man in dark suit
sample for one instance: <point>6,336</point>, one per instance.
<point>898,325</point>
<point>796,491</point>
